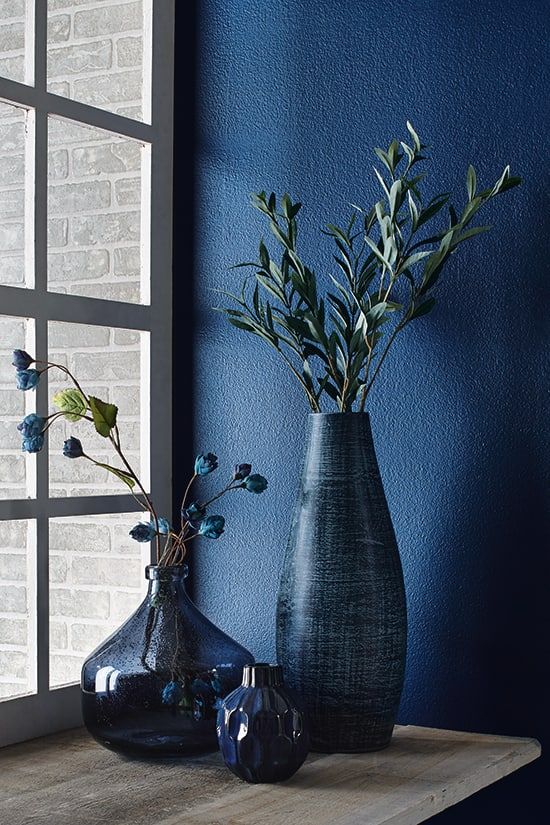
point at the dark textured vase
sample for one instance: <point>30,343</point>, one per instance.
<point>155,685</point>
<point>341,615</point>
<point>261,729</point>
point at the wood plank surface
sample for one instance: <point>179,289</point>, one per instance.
<point>68,779</point>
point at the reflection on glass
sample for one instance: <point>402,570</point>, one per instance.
<point>95,213</point>
<point>96,582</point>
<point>17,608</point>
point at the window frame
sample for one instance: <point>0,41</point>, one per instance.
<point>49,710</point>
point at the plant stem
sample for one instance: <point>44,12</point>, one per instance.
<point>391,339</point>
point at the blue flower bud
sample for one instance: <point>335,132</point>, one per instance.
<point>164,526</point>
<point>72,448</point>
<point>21,359</point>
<point>212,527</point>
<point>255,483</point>
<point>27,379</point>
<point>172,693</point>
<point>31,425</point>
<point>33,443</point>
<point>242,471</point>
<point>194,514</point>
<point>199,687</point>
<point>205,463</point>
<point>144,531</point>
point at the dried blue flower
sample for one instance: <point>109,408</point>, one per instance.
<point>199,687</point>
<point>164,526</point>
<point>212,527</point>
<point>144,531</point>
<point>172,693</point>
<point>255,483</point>
<point>242,471</point>
<point>27,379</point>
<point>33,443</point>
<point>72,448</point>
<point>194,514</point>
<point>205,463</point>
<point>32,424</point>
<point>216,684</point>
<point>21,359</point>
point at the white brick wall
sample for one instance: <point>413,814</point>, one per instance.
<point>17,616</point>
<point>95,54</point>
<point>96,581</point>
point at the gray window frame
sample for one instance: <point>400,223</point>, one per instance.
<point>48,710</point>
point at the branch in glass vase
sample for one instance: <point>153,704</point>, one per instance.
<point>74,404</point>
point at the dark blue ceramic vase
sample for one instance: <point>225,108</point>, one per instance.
<point>154,687</point>
<point>261,730</point>
<point>341,617</point>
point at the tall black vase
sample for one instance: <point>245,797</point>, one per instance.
<point>341,614</point>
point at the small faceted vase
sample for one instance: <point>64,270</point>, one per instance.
<point>153,688</point>
<point>341,614</point>
<point>261,729</point>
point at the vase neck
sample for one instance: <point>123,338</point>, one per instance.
<point>166,579</point>
<point>340,445</point>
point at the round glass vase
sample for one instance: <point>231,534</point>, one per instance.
<point>153,688</point>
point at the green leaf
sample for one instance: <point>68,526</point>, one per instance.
<point>104,415</point>
<point>385,159</point>
<point>432,209</point>
<point>470,233</point>
<point>264,255</point>
<point>412,133</point>
<point>423,309</point>
<point>377,252</point>
<point>413,259</point>
<point>72,403</point>
<point>471,182</point>
<point>382,182</point>
<point>413,209</point>
<point>120,474</point>
<point>395,198</point>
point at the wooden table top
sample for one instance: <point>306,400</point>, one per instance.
<point>68,779</point>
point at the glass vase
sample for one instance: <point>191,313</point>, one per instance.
<point>155,685</point>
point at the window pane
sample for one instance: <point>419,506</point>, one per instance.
<point>98,53</point>
<point>12,195</point>
<point>17,608</point>
<point>95,213</point>
<point>96,582</point>
<point>12,39</point>
<point>16,467</point>
<point>108,364</point>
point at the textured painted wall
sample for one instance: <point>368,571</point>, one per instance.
<point>293,95</point>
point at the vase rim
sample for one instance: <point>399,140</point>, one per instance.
<point>261,674</point>
<point>166,572</point>
<point>338,414</point>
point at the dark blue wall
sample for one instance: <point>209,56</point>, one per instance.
<point>293,96</point>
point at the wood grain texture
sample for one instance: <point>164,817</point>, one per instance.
<point>341,614</point>
<point>68,779</point>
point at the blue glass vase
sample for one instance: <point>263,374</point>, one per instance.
<point>261,730</point>
<point>154,687</point>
